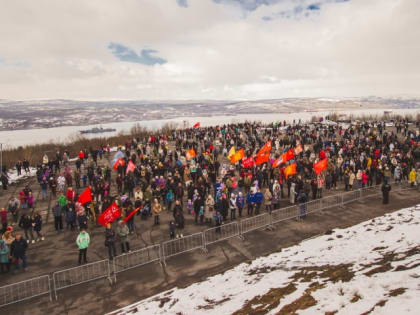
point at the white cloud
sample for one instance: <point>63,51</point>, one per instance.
<point>212,50</point>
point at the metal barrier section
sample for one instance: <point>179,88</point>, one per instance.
<point>314,206</point>
<point>221,233</point>
<point>25,290</point>
<point>183,245</point>
<point>136,258</point>
<point>255,223</point>
<point>350,196</point>
<point>81,274</point>
<point>369,191</point>
<point>284,214</point>
<point>331,201</point>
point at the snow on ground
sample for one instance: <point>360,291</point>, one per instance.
<point>372,267</point>
<point>13,176</point>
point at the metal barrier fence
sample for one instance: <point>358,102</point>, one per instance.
<point>183,245</point>
<point>81,274</point>
<point>351,196</point>
<point>313,206</point>
<point>284,214</point>
<point>331,201</point>
<point>221,233</point>
<point>255,223</point>
<point>25,290</point>
<point>136,258</point>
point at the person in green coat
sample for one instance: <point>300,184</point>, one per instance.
<point>62,200</point>
<point>82,241</point>
<point>123,232</point>
<point>4,256</point>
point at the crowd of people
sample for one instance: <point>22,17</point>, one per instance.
<point>190,173</point>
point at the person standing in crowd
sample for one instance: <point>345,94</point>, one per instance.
<point>268,198</point>
<point>4,256</point>
<point>179,223</point>
<point>156,209</point>
<point>44,187</point>
<point>110,241</point>
<point>386,188</point>
<point>37,223</point>
<point>13,208</point>
<point>123,234</point>
<point>26,223</point>
<point>209,210</point>
<point>83,241</point>
<point>18,251</point>
<point>232,206</point>
<point>3,216</point>
<point>58,217</point>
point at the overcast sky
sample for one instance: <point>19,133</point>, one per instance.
<point>208,49</point>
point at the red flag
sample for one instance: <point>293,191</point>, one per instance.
<point>132,213</point>
<point>120,161</point>
<point>85,196</point>
<point>320,166</point>
<point>289,155</point>
<point>249,162</point>
<point>266,148</point>
<point>109,215</point>
<point>262,158</point>
<point>130,167</point>
<point>290,170</point>
<point>277,162</point>
<point>196,125</point>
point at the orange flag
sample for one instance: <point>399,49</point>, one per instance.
<point>239,155</point>
<point>266,148</point>
<point>320,166</point>
<point>190,154</point>
<point>262,158</point>
<point>290,170</point>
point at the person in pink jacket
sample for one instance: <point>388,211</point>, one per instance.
<point>365,178</point>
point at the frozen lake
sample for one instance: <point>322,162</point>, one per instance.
<point>17,138</point>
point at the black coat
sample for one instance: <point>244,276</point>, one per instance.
<point>25,222</point>
<point>18,248</point>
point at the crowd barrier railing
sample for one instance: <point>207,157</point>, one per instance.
<point>221,233</point>
<point>182,245</point>
<point>81,274</point>
<point>136,258</point>
<point>255,223</point>
<point>24,290</point>
<point>284,214</point>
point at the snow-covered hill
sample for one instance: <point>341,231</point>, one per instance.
<point>373,267</point>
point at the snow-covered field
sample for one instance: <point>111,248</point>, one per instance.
<point>15,138</point>
<point>373,267</point>
<point>13,176</point>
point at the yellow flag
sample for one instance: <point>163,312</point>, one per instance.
<point>231,152</point>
